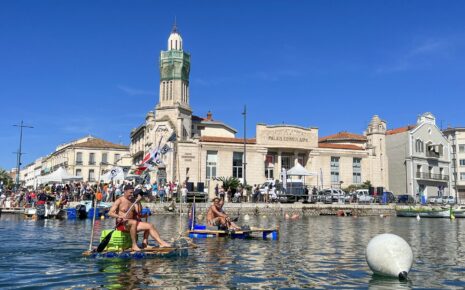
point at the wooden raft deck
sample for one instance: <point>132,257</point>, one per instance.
<point>238,234</point>
<point>145,253</point>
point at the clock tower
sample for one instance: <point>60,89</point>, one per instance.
<point>173,105</point>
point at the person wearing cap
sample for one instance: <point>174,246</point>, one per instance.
<point>127,218</point>
<point>217,217</point>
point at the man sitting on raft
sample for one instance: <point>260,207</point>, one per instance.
<point>129,222</point>
<point>217,217</point>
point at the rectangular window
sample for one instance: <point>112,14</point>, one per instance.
<point>212,159</point>
<point>335,170</point>
<point>237,164</point>
<point>286,162</point>
<point>79,158</point>
<point>78,172</point>
<point>117,158</point>
<point>104,158</point>
<point>462,175</point>
<point>461,148</point>
<point>269,166</point>
<point>91,175</point>
<point>269,173</point>
<point>462,162</point>
<point>357,171</point>
<point>91,158</point>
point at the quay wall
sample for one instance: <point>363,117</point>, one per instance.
<point>279,209</point>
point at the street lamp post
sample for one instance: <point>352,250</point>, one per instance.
<point>19,153</point>
<point>244,163</point>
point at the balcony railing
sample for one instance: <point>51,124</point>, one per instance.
<point>79,162</point>
<point>432,176</point>
<point>91,162</point>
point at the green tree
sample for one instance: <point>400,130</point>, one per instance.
<point>230,182</point>
<point>6,178</point>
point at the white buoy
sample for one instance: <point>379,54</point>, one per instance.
<point>389,255</point>
<point>418,217</point>
<point>246,217</point>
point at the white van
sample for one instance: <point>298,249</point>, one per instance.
<point>363,196</point>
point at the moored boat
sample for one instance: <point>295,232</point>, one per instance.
<point>423,212</point>
<point>459,211</point>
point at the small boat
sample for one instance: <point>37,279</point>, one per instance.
<point>459,211</point>
<point>423,212</point>
<point>120,244</point>
<point>85,209</point>
<point>202,231</point>
<point>45,211</point>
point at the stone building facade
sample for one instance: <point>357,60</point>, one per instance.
<point>456,137</point>
<point>88,157</point>
<point>206,148</point>
<point>419,159</point>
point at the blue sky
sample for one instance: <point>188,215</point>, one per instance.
<point>72,68</point>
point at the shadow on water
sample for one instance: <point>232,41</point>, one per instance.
<point>387,283</point>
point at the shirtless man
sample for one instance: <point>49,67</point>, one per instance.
<point>217,217</point>
<point>129,221</point>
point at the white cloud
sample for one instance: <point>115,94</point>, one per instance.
<point>419,55</point>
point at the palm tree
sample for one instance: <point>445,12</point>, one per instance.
<point>6,178</point>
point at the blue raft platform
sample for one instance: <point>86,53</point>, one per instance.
<point>144,254</point>
<point>200,231</point>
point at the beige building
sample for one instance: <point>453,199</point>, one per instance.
<point>206,148</point>
<point>88,157</point>
<point>419,159</point>
<point>456,137</point>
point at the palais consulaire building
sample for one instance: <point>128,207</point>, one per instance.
<point>207,148</point>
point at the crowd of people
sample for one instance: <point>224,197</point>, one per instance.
<point>79,191</point>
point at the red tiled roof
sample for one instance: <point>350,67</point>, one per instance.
<point>227,140</point>
<point>197,118</point>
<point>400,130</point>
<point>339,146</point>
<point>99,143</point>
<point>343,136</point>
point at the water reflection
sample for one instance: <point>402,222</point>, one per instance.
<point>316,252</point>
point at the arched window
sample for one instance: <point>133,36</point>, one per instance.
<point>419,146</point>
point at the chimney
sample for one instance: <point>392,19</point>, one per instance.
<point>209,116</point>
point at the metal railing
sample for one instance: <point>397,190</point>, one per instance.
<point>432,176</point>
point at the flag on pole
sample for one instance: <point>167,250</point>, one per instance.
<point>165,149</point>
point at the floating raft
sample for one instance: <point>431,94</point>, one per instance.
<point>143,254</point>
<point>272,234</point>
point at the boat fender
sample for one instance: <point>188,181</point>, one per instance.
<point>389,255</point>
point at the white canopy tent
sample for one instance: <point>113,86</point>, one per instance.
<point>59,175</point>
<point>299,170</point>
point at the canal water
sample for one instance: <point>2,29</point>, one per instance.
<point>313,252</point>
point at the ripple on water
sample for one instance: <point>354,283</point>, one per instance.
<point>313,252</point>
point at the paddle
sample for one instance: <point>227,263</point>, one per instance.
<point>107,239</point>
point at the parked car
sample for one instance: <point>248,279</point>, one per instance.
<point>448,199</point>
<point>324,197</point>
<point>387,197</point>
<point>363,196</point>
<point>405,198</point>
<point>336,194</point>
<point>436,200</point>
<point>266,186</point>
